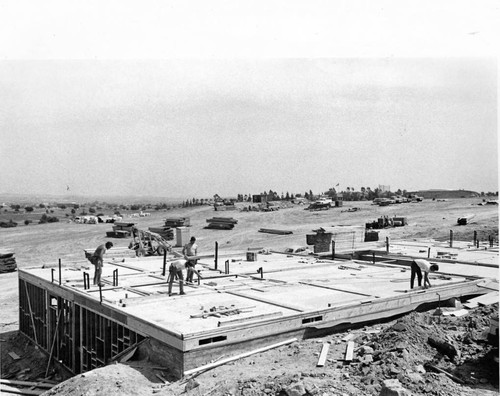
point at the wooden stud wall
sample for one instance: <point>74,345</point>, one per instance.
<point>79,338</point>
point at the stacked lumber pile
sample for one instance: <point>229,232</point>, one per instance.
<point>165,232</point>
<point>221,223</point>
<point>7,261</point>
<point>121,230</point>
<point>177,222</point>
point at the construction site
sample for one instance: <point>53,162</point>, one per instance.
<point>246,300</point>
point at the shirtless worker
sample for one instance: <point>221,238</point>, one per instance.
<point>417,267</point>
<point>189,250</point>
<point>97,259</point>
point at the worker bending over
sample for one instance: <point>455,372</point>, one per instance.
<point>417,267</point>
<point>175,270</point>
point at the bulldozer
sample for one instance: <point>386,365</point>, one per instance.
<point>148,243</point>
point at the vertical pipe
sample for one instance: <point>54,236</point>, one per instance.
<point>227,267</point>
<point>333,250</point>
<point>164,262</point>
<point>60,273</point>
<point>429,253</point>
<point>451,238</point>
<point>373,257</point>
<point>387,244</point>
<point>100,292</point>
<point>216,253</point>
<point>475,237</point>
<point>477,244</point>
<point>491,241</point>
<point>52,274</point>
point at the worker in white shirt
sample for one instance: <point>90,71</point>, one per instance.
<point>419,266</point>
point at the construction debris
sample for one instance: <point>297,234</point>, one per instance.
<point>221,311</point>
<point>7,261</point>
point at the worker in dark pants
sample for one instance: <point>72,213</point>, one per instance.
<point>190,250</point>
<point>98,260</point>
<point>175,270</point>
<point>419,266</point>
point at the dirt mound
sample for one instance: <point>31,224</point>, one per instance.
<point>116,379</point>
<point>431,354</point>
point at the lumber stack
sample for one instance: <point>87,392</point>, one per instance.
<point>221,223</point>
<point>121,230</point>
<point>7,261</point>
<point>177,222</point>
<point>165,232</point>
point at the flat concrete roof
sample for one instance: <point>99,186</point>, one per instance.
<point>290,286</point>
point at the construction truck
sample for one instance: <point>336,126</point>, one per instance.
<point>148,243</point>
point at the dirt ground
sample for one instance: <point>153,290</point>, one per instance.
<point>289,370</point>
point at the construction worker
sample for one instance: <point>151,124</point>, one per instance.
<point>175,270</point>
<point>417,267</point>
<point>189,250</point>
<point>97,259</point>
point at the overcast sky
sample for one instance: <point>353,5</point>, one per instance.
<point>191,100</point>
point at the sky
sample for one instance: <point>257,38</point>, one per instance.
<point>189,100</point>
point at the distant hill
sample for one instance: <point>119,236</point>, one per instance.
<point>442,194</point>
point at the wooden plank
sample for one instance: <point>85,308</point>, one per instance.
<point>323,355</point>
<point>126,352</point>
<point>26,383</point>
<point>486,299</point>
<point>338,289</point>
<point>349,351</point>
<point>17,391</point>
<point>348,337</point>
<point>241,356</point>
<point>460,312</point>
<point>249,318</point>
<point>14,355</point>
<point>267,301</point>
